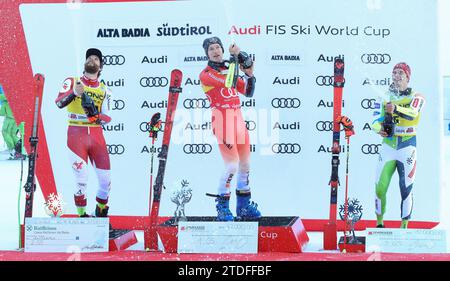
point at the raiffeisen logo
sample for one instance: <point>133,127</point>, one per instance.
<point>253,30</point>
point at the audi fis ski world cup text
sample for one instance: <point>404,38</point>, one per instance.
<point>320,30</point>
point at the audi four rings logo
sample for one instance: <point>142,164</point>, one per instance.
<point>286,103</point>
<point>113,60</point>
<point>325,126</point>
<point>368,103</point>
<point>228,93</point>
<point>154,82</point>
<point>196,103</point>
<point>115,149</point>
<point>376,58</point>
<point>197,148</point>
<point>145,127</point>
<point>251,125</point>
<point>324,80</point>
<point>286,148</point>
<point>322,126</point>
<point>370,148</point>
<point>118,104</point>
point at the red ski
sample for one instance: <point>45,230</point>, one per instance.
<point>150,234</point>
<point>330,230</point>
<point>30,185</point>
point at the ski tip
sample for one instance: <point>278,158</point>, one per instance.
<point>39,77</point>
<point>175,80</point>
<point>176,72</point>
<point>338,63</point>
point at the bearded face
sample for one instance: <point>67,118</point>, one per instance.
<point>92,65</point>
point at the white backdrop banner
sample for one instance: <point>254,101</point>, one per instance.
<point>293,44</point>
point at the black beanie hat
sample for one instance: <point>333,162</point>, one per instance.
<point>95,52</point>
<point>209,41</point>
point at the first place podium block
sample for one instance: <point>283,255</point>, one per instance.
<point>275,234</point>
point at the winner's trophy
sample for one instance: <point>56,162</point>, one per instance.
<point>54,206</point>
<point>351,242</point>
<point>180,197</point>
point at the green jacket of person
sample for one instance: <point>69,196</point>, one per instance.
<point>9,127</point>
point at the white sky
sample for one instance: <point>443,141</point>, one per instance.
<point>444,26</point>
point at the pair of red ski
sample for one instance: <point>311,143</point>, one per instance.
<point>150,230</point>
<point>330,229</point>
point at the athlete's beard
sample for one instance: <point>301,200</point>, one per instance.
<point>91,68</point>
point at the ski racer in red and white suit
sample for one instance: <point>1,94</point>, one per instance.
<point>229,128</point>
<point>85,134</point>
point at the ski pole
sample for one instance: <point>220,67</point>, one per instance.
<point>348,128</point>
<point>236,71</point>
<point>346,193</point>
<point>155,127</point>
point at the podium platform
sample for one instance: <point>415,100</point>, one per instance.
<point>275,234</point>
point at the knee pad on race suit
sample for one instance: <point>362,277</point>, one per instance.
<point>406,180</point>
<point>227,177</point>
<point>98,150</point>
<point>407,161</point>
<point>243,176</point>
<point>79,168</point>
<point>104,181</point>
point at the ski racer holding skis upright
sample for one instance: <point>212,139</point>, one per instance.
<point>398,113</point>
<point>88,102</point>
<point>229,127</point>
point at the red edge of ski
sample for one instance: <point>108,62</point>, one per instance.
<point>330,229</point>
<point>30,185</point>
<point>150,234</point>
